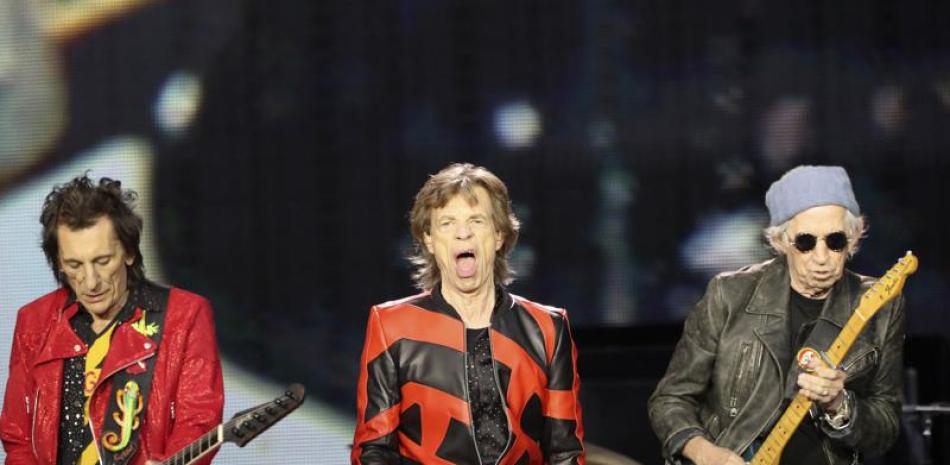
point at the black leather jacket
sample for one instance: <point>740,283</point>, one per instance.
<point>725,380</point>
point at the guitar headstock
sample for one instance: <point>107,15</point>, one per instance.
<point>248,424</point>
<point>893,281</point>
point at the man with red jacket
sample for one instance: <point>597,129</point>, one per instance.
<point>110,368</point>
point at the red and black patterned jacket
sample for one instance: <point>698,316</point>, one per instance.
<point>412,396</point>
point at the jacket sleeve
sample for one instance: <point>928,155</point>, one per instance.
<point>15,420</point>
<point>563,442</point>
<point>377,400</point>
<point>876,413</point>
<point>673,406</point>
<point>199,398</point>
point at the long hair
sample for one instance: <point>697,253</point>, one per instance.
<point>441,187</point>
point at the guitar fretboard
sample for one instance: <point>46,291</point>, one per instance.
<point>206,443</point>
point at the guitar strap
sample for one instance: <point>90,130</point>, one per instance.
<point>130,388</point>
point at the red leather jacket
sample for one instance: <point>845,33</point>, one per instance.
<point>412,395</point>
<point>187,394</point>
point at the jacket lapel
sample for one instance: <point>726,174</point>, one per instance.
<point>128,347</point>
<point>770,302</point>
<point>63,342</point>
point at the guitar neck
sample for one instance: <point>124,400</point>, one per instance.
<point>839,348</point>
<point>197,449</point>
<point>771,450</point>
<point>242,427</point>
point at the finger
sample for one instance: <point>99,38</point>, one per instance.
<point>828,373</point>
<point>811,382</point>
<point>816,396</point>
<point>806,380</point>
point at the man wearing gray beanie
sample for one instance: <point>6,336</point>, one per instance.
<point>734,370</point>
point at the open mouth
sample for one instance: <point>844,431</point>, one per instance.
<point>465,263</point>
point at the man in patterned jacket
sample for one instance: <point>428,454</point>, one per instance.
<point>465,372</point>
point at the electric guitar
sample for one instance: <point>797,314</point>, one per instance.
<point>879,294</point>
<point>242,427</point>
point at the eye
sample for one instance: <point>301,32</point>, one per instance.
<point>103,261</point>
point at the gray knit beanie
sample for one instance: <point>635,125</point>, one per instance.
<point>805,187</point>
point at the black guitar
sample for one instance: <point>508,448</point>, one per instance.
<point>242,427</point>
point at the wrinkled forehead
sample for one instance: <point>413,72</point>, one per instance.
<point>820,221</point>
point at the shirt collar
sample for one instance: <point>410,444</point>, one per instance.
<point>139,297</point>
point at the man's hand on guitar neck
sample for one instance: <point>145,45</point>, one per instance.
<point>824,386</point>
<point>702,452</point>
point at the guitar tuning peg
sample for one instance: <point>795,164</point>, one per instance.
<point>259,417</point>
<point>279,402</point>
<point>290,395</point>
<point>270,410</point>
<point>237,432</point>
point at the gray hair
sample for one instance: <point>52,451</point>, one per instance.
<point>855,227</point>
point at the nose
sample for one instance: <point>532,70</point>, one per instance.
<point>90,278</point>
<point>821,254</point>
<point>463,231</point>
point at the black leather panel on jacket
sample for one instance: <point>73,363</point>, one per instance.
<point>381,450</point>
<point>524,330</point>
<point>560,440</point>
<point>561,373</point>
<point>504,379</point>
<point>458,446</point>
<point>382,373</point>
<point>425,363</point>
<point>410,423</point>
<point>532,419</point>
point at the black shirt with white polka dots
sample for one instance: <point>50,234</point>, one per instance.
<point>488,414</point>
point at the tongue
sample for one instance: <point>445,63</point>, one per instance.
<point>465,267</point>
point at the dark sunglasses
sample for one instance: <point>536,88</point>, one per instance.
<point>836,241</point>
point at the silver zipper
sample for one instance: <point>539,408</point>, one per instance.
<point>118,369</point>
<point>737,382</point>
<point>501,398</point>
<point>94,440</point>
<point>856,359</point>
<point>36,403</point>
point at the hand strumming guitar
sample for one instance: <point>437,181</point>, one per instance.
<point>703,452</point>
